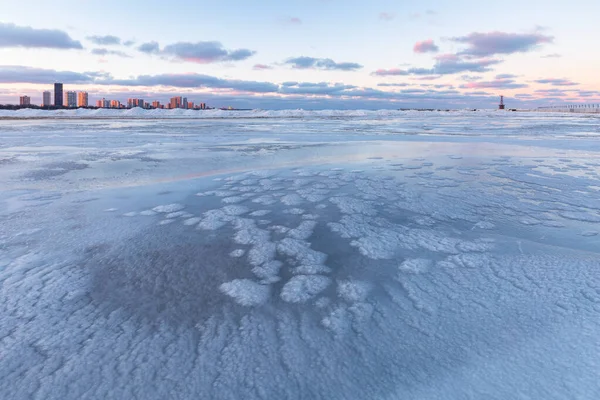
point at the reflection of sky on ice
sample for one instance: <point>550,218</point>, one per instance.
<point>196,259</point>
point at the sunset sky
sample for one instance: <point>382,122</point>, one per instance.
<point>311,54</point>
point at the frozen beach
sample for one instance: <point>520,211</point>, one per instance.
<point>299,255</point>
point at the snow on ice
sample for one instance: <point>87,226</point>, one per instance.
<point>136,260</point>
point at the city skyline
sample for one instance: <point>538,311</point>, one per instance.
<point>311,54</point>
<point>76,99</point>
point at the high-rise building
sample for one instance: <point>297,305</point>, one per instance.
<point>71,100</point>
<point>184,103</point>
<point>82,99</point>
<point>24,100</point>
<point>203,106</point>
<point>58,94</point>
<point>140,103</point>
<point>175,102</point>
<point>46,99</point>
<point>156,104</point>
<point>190,105</point>
<point>115,104</point>
<point>103,103</point>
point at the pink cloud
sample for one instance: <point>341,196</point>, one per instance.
<point>261,67</point>
<point>495,84</point>
<point>390,72</point>
<point>492,43</point>
<point>426,46</point>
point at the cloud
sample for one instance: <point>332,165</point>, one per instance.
<point>105,52</point>
<point>128,43</point>
<point>506,76</point>
<point>321,63</point>
<point>426,78</point>
<point>107,40</point>
<point>194,80</point>
<point>260,67</point>
<point>386,16</point>
<point>205,52</point>
<point>12,35</point>
<point>403,72</point>
<point>294,21</point>
<point>495,84</point>
<point>557,82</point>
<point>149,47</point>
<point>393,84</point>
<point>252,94</point>
<point>431,12</point>
<point>470,78</point>
<point>448,64</point>
<point>390,72</point>
<point>553,55</point>
<point>21,74</point>
<point>321,88</point>
<point>198,52</point>
<point>492,43</point>
<point>552,92</point>
<point>426,46</point>
<point>588,93</point>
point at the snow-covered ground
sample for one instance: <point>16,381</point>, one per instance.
<point>299,255</point>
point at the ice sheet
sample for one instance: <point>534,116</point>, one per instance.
<point>299,254</point>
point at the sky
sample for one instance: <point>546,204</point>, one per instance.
<point>311,54</point>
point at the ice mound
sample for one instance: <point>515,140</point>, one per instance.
<point>353,291</point>
<point>237,253</point>
<point>246,292</point>
<point>302,288</point>
<point>192,221</point>
<point>268,271</point>
<point>415,265</point>
<point>168,208</point>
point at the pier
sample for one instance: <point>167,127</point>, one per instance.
<point>573,108</point>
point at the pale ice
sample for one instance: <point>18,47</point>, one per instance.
<point>299,255</point>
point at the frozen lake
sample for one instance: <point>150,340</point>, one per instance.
<point>373,255</point>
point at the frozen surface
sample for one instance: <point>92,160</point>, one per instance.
<point>299,255</point>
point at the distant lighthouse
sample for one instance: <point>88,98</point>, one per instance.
<point>501,106</point>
